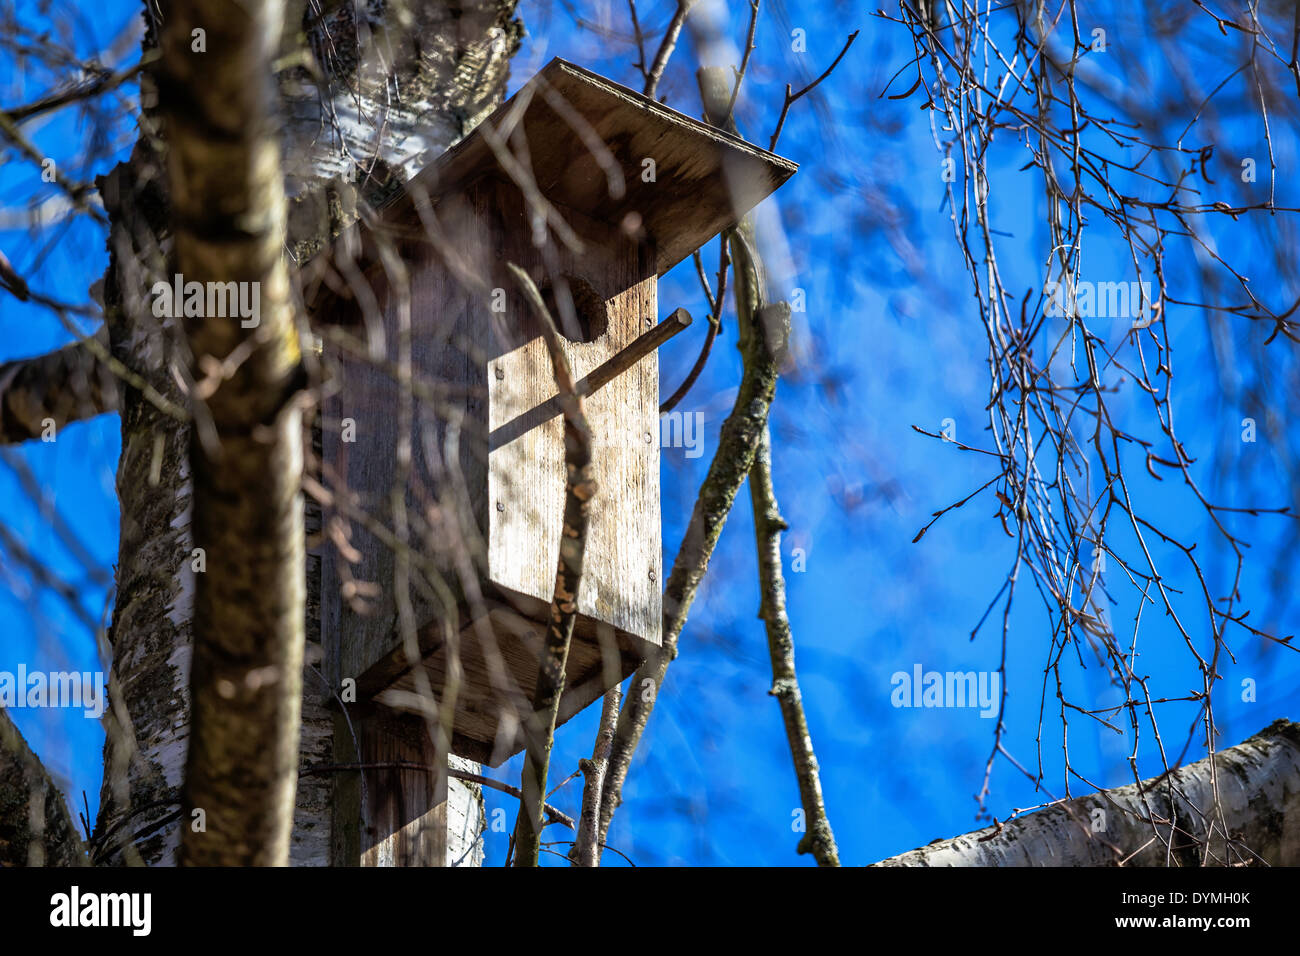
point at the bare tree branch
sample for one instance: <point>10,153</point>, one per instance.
<point>768,525</point>
<point>792,98</point>
<point>579,489</point>
<point>716,304</point>
<point>77,193</point>
<point>1258,788</point>
<point>103,81</point>
<point>666,47</point>
<point>39,395</point>
<point>585,850</point>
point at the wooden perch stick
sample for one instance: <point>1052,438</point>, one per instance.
<point>646,343</point>
<point>599,377</point>
<point>552,814</point>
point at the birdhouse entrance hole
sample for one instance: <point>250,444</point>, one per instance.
<point>580,312</point>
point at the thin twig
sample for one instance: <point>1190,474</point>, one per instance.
<point>716,304</point>
<point>579,489</point>
<point>586,848</point>
<point>790,100</point>
<point>768,525</point>
<point>667,46</point>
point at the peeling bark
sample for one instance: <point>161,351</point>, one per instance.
<point>1160,823</point>
<point>35,826</point>
<point>384,96</point>
<point>40,395</point>
<point>399,84</point>
<point>150,637</point>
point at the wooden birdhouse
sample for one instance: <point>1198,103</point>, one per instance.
<point>595,191</point>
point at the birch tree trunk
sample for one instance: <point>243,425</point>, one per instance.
<point>1163,822</point>
<point>246,454</point>
<point>396,85</point>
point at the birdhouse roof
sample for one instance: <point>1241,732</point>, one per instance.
<point>583,140</point>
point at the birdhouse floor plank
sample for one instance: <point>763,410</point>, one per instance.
<point>499,655</point>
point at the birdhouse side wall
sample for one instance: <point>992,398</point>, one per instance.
<point>446,485</point>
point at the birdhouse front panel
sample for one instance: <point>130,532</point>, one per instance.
<point>611,283</point>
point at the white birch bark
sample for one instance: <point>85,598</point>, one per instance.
<point>1164,822</point>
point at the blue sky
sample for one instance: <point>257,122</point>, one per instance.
<point>892,340</point>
